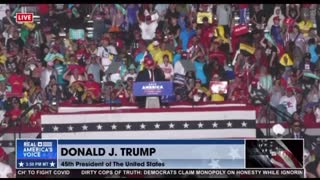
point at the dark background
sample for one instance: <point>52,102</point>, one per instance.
<point>295,146</point>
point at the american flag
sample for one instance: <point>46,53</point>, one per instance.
<point>278,154</point>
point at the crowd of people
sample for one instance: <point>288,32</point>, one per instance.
<point>267,55</point>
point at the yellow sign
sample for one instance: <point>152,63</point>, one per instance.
<point>285,60</point>
<point>247,48</point>
<point>201,15</point>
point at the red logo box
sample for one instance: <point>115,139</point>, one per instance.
<point>24,17</point>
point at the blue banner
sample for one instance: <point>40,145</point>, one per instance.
<point>130,154</point>
<point>152,154</point>
<point>157,88</point>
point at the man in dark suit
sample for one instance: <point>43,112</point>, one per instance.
<point>297,133</point>
<point>151,72</point>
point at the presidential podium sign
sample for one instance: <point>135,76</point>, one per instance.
<point>157,88</point>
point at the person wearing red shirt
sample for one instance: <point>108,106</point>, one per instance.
<point>43,9</point>
<point>122,95</point>
<point>206,34</point>
<point>215,52</point>
<point>16,82</point>
<point>82,53</point>
<point>309,117</point>
<point>12,115</point>
<point>35,117</point>
<point>92,88</point>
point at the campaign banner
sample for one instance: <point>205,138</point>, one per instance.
<point>156,88</point>
<point>131,154</point>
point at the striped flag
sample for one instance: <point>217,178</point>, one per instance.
<point>279,154</point>
<point>184,123</point>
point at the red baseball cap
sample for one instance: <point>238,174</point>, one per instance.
<point>289,89</point>
<point>276,18</point>
<point>148,61</point>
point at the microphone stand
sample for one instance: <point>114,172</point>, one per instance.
<point>111,100</point>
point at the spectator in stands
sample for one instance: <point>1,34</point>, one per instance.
<point>293,11</point>
<point>309,118</point>
<point>167,68</point>
<point>92,89</point>
<point>199,62</point>
<point>8,20</point>
<point>159,55</point>
<point>198,93</point>
<point>35,117</point>
<point>148,28</point>
<point>132,73</point>
<point>46,74</point>
<point>276,31</point>
<point>220,96</point>
<point>271,53</point>
<point>258,17</point>
<point>106,53</point>
<point>95,67</point>
<point>296,132</point>
<point>313,168</point>
<point>276,13</point>
<point>3,90</point>
<point>5,170</point>
<point>15,80</point>
<point>305,25</point>
<point>287,104</point>
<point>11,116</point>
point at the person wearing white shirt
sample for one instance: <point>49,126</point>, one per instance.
<point>148,28</point>
<point>317,114</point>
<point>5,169</point>
<point>167,68</point>
<point>106,52</point>
<point>223,13</point>
<point>3,8</point>
<point>288,102</point>
<point>162,10</point>
<point>46,74</point>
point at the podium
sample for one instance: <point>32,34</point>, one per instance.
<point>153,90</point>
<point>152,102</point>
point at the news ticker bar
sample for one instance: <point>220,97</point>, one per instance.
<point>161,172</point>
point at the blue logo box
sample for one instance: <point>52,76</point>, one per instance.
<point>40,153</point>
